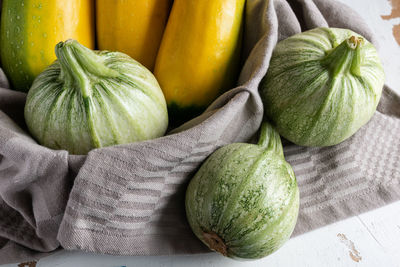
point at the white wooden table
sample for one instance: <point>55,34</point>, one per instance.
<point>370,239</point>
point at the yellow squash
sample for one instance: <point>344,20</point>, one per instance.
<point>199,54</point>
<point>134,27</point>
<point>30,29</point>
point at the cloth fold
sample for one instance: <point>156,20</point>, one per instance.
<point>129,199</point>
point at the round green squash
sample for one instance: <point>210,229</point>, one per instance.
<point>243,202</point>
<point>322,85</point>
<point>88,99</point>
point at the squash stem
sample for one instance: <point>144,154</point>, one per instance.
<point>90,61</point>
<point>74,70</point>
<point>270,139</point>
<point>346,57</point>
<point>81,63</point>
<point>71,69</point>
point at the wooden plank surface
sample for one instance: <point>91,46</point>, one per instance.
<point>394,16</point>
<point>383,17</point>
<point>370,239</point>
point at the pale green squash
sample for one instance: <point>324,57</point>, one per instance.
<point>89,99</point>
<point>244,200</point>
<point>322,85</point>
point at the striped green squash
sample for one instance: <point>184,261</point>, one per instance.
<point>89,99</point>
<point>322,85</point>
<point>243,202</point>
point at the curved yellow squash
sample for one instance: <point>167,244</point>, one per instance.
<point>134,27</point>
<point>30,29</point>
<point>199,54</point>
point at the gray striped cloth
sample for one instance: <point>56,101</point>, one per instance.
<point>129,199</point>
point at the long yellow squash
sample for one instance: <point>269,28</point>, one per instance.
<point>134,27</point>
<point>30,29</point>
<point>199,53</point>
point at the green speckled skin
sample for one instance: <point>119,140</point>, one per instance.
<point>247,194</point>
<point>88,99</point>
<point>320,87</point>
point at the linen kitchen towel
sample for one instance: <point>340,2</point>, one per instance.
<point>129,199</point>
